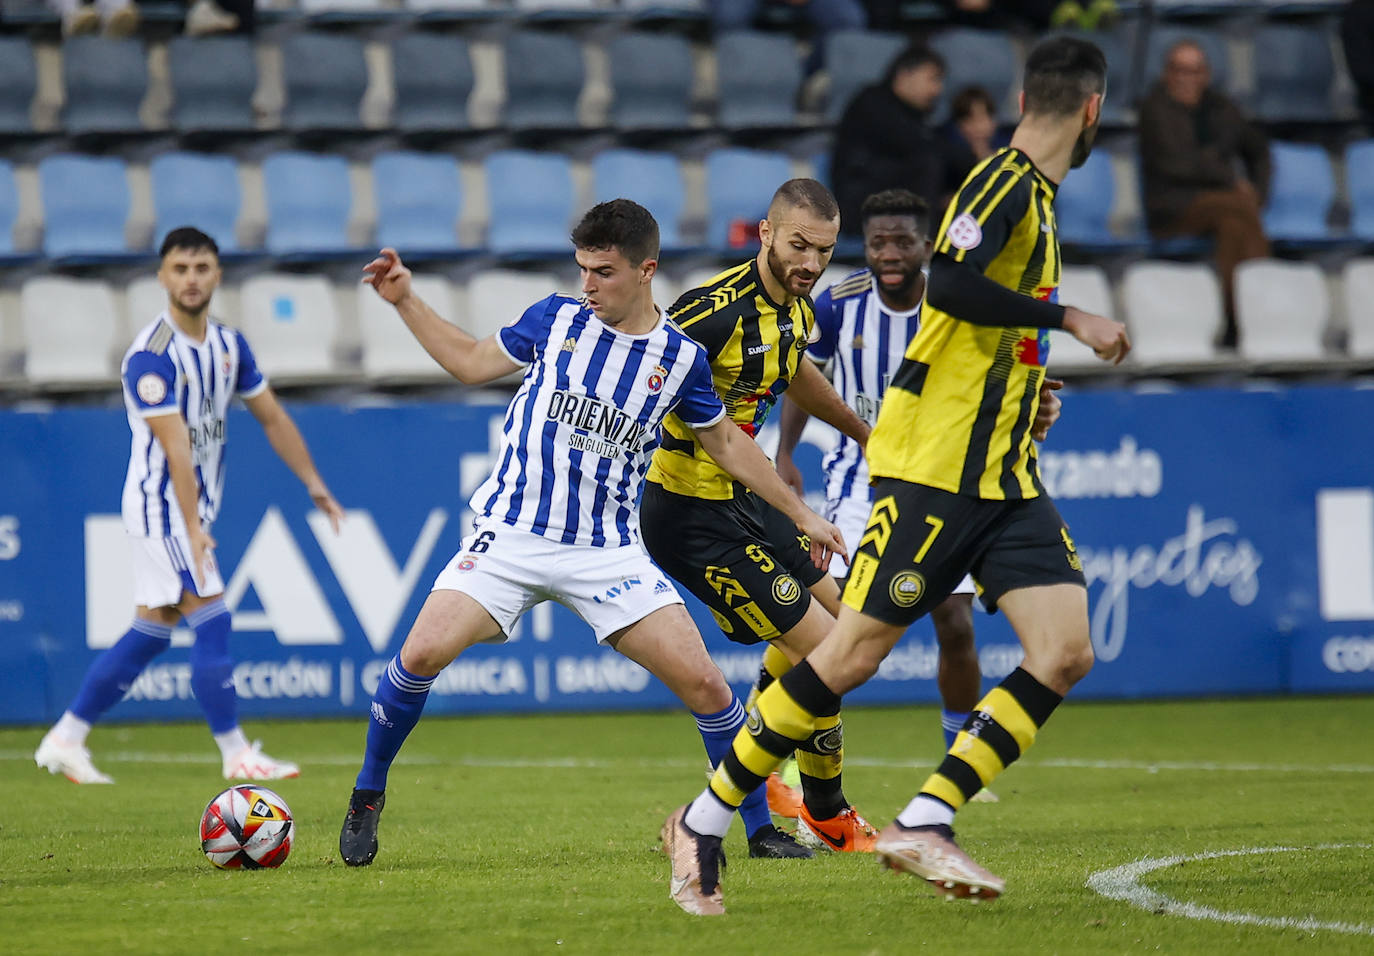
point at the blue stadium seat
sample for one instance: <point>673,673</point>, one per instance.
<point>9,208</point>
<point>19,80</point>
<point>1084,203</point>
<point>666,9</point>
<point>308,200</point>
<point>213,80</point>
<point>105,82</point>
<point>1294,70</point>
<point>544,75</point>
<point>758,78</point>
<point>326,76</point>
<point>1213,45</point>
<point>983,58</point>
<point>1359,181</point>
<point>432,75</point>
<point>651,81</point>
<point>739,184</point>
<point>654,180</point>
<point>419,197</point>
<point>196,189</point>
<point>85,205</point>
<point>1301,192</point>
<point>854,59</point>
<point>530,198</point>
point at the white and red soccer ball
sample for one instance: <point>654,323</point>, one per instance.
<point>246,828</point>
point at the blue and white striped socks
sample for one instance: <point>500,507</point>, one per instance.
<point>951,722</point>
<point>718,732</point>
<point>113,672</point>
<point>396,709</point>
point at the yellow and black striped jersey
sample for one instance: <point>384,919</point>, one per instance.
<point>754,345</point>
<point>958,413</point>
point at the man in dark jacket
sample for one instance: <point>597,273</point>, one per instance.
<point>1357,36</point>
<point>1206,167</point>
<point>885,140</point>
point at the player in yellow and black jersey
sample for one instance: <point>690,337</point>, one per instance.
<point>739,556</point>
<point>955,491</point>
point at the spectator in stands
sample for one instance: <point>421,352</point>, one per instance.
<point>1357,36</point>
<point>1194,144</point>
<point>1001,14</point>
<point>973,122</point>
<point>885,139</point>
<point>117,18</point>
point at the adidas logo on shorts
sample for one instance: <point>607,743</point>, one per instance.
<point>662,587</point>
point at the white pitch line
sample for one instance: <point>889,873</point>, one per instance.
<point>1123,883</point>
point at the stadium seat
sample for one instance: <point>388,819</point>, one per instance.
<point>651,81</point>
<point>19,80</point>
<point>665,9</point>
<point>9,208</point>
<point>433,78</point>
<point>983,58</point>
<point>556,9</point>
<point>1087,288</point>
<point>1212,42</point>
<point>1083,206</point>
<point>451,8</point>
<point>544,75</point>
<point>1301,191</point>
<point>196,189</point>
<point>1294,70</point>
<point>389,351</point>
<point>1173,311</point>
<point>292,323</point>
<point>1282,310</point>
<point>1359,182</point>
<point>105,82</point>
<point>85,205</point>
<point>71,330</point>
<point>739,184</point>
<point>213,80</point>
<point>419,197</point>
<point>497,297</point>
<point>325,77</point>
<point>854,59</point>
<point>530,198</point>
<point>758,77</point>
<point>654,180</point>
<point>1358,286</point>
<point>145,298</point>
<point>308,202</point>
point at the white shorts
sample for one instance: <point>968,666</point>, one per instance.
<point>509,571</point>
<point>162,571</point>
<point>850,515</point>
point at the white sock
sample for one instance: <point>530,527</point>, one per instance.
<point>708,816</point>
<point>231,742</point>
<point>925,811</point>
<point>71,727</point>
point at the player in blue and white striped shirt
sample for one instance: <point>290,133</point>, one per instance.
<point>558,517</point>
<point>179,377</point>
<point>865,322</point>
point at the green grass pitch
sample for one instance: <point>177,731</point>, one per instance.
<point>538,835</point>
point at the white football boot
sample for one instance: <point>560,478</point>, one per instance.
<point>60,755</point>
<point>252,764</point>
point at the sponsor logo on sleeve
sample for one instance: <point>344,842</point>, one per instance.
<point>964,232</point>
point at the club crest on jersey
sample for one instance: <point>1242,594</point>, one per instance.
<point>1034,351</point>
<point>151,387</point>
<point>657,376</point>
<point>964,232</point>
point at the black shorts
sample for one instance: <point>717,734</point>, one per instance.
<point>920,541</point>
<point>742,558</point>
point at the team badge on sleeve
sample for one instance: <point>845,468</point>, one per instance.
<point>151,388</point>
<point>657,376</point>
<point>964,232</point>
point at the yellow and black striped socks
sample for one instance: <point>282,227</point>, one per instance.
<point>998,731</point>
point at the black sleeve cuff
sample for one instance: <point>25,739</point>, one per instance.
<point>960,290</point>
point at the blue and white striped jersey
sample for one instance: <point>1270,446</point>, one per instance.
<point>165,371</point>
<point>579,432</point>
<point>866,342</point>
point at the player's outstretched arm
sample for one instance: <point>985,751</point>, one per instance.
<point>287,442</point>
<point>812,391</point>
<point>1104,336</point>
<point>470,361</point>
<point>741,456</point>
<point>171,433</point>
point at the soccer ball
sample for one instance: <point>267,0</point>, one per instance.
<point>246,828</point>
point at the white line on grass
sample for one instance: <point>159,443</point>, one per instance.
<point>1123,883</point>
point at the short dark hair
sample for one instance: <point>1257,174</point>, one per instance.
<point>619,224</point>
<point>961,107</point>
<point>188,238</point>
<point>805,194</point>
<point>897,202</point>
<point>914,56</point>
<point>1062,72</point>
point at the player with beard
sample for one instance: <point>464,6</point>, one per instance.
<point>864,323</point>
<point>956,490</point>
<point>719,540</point>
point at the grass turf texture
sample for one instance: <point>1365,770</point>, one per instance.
<point>538,834</point>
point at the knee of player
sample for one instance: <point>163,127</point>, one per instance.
<point>423,659</point>
<point>1075,661</point>
<point>706,692</point>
